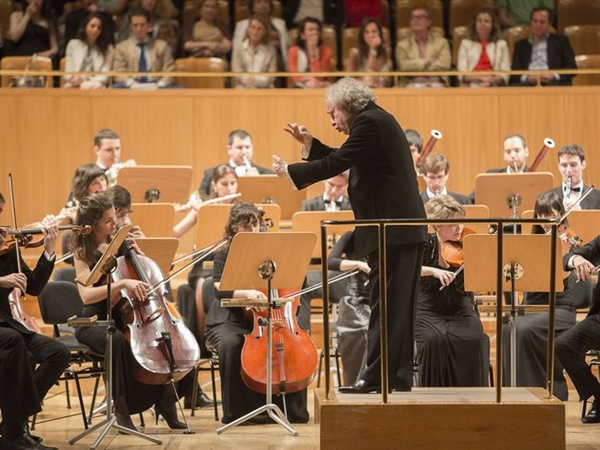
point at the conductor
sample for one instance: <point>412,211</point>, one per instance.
<point>382,185</point>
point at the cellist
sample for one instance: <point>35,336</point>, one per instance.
<point>21,388</point>
<point>226,328</point>
<point>129,395</point>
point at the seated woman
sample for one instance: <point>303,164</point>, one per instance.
<point>371,55</point>
<point>532,328</point>
<point>88,179</point>
<point>452,349</point>
<point>209,38</point>
<point>129,395</point>
<point>483,51</point>
<point>310,55</point>
<point>255,54</point>
<point>31,31</point>
<point>90,51</point>
<point>226,327</point>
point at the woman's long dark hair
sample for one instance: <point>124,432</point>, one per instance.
<point>300,42</point>
<point>241,215</point>
<point>363,48</point>
<point>104,41</point>
<point>90,211</point>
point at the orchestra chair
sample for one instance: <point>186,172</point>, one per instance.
<point>21,63</point>
<point>462,11</point>
<point>577,12</point>
<point>350,39</point>
<point>404,32</point>
<point>404,7</point>
<point>58,302</point>
<point>201,65</point>
<point>587,62</point>
<point>517,33</point>
<point>242,12</point>
<point>458,34</point>
<point>329,37</point>
<point>585,39</point>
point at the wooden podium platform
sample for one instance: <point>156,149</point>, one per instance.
<point>440,418</point>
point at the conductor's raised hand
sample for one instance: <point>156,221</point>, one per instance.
<point>300,133</point>
<point>279,166</point>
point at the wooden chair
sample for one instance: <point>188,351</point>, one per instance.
<point>201,65</point>
<point>587,62</point>
<point>585,39</point>
<point>350,39</point>
<point>517,33</point>
<point>22,63</point>
<point>404,7</point>
<point>577,12</point>
<point>458,34</point>
<point>462,11</point>
<point>62,65</point>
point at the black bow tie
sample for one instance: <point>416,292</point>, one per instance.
<point>337,203</point>
<point>576,189</point>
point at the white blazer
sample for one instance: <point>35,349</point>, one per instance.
<point>469,54</point>
<point>75,53</point>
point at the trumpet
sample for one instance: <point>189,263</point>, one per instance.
<point>548,144</point>
<point>436,135</point>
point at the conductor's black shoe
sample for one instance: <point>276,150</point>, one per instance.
<point>28,432</point>
<point>24,442</point>
<point>202,400</point>
<point>593,415</point>
<point>360,387</point>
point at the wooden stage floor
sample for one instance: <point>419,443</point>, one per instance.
<point>58,432</point>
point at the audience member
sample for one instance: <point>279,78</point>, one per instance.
<point>209,38</point>
<point>371,55</point>
<point>143,54</point>
<point>32,31</point>
<point>483,51</point>
<point>543,51</point>
<point>75,19</point>
<point>310,55</point>
<point>90,51</point>
<point>163,19</point>
<point>423,52</point>
<point>327,11</point>
<point>333,198</point>
<point>518,12</point>
<point>532,328</point>
<point>240,149</point>
<point>255,54</point>
<point>436,170</point>
<point>452,349</point>
<point>571,164</point>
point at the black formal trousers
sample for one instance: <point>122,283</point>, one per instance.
<point>403,272</point>
<point>19,397</point>
<point>571,347</point>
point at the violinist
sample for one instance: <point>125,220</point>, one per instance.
<point>226,327</point>
<point>436,171</point>
<point>572,345</point>
<point>571,164</point>
<point>452,349</point>
<point>129,395</point>
<point>532,328</point>
<point>22,388</point>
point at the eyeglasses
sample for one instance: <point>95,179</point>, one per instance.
<point>419,16</point>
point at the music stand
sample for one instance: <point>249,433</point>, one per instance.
<point>156,219</point>
<point>105,266</point>
<point>267,261</point>
<point>522,270</point>
<point>508,194</point>
<point>150,184</point>
<point>271,189</point>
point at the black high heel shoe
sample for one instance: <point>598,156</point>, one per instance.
<point>170,418</point>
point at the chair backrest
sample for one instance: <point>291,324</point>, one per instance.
<point>59,301</point>
<point>458,34</point>
<point>404,7</point>
<point>64,274</point>
<point>585,39</point>
<point>462,11</point>
<point>200,65</point>
<point>329,36</point>
<point>404,32</point>
<point>577,12</point>
<point>517,33</point>
<point>25,63</point>
<point>6,8</point>
<point>350,39</point>
<point>587,62</point>
<point>62,65</point>
<point>242,12</point>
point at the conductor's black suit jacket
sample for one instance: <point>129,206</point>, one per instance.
<point>382,182</point>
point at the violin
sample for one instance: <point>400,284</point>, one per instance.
<point>162,346</point>
<point>452,251</point>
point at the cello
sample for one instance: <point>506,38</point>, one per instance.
<point>163,347</point>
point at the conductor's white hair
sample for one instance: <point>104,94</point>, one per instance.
<point>350,95</point>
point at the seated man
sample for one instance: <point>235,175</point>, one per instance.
<point>515,155</point>
<point>333,198</point>
<point>543,51</point>
<point>436,171</point>
<point>143,54</point>
<point>423,52</point>
<point>240,149</point>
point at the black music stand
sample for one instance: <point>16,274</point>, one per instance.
<point>105,266</point>
<point>525,268</point>
<point>267,261</point>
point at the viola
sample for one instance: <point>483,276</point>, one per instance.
<point>295,357</point>
<point>162,346</point>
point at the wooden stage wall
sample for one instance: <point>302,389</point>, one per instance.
<point>45,134</point>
